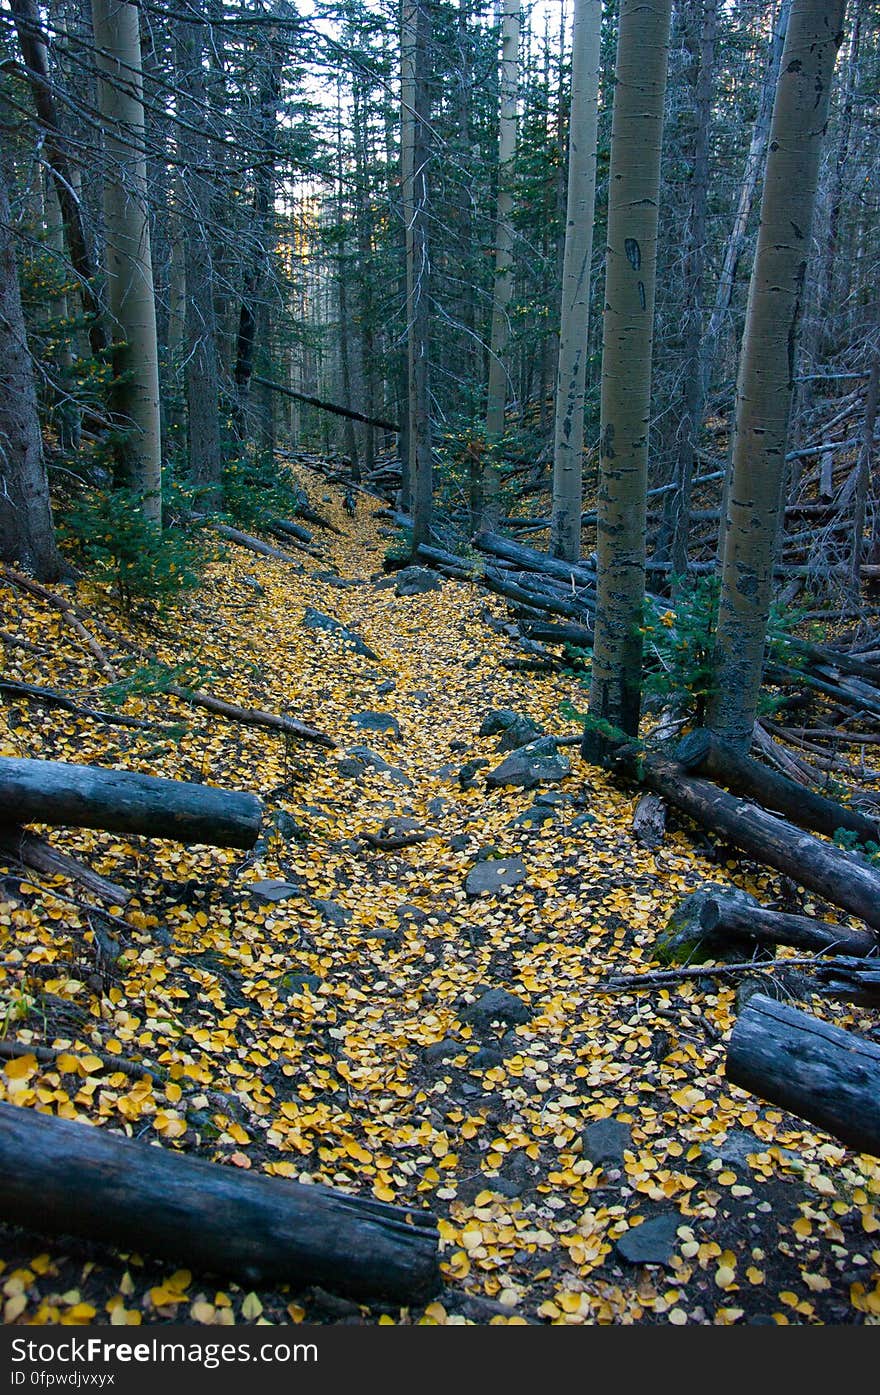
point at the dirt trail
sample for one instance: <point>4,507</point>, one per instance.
<point>348,1011</point>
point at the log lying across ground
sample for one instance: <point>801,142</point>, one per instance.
<point>124,801</point>
<point>59,1177</point>
<point>706,754</point>
<point>27,850</point>
<point>723,919</point>
<point>841,877</point>
<point>816,1071</point>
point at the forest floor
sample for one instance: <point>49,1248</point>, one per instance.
<point>346,1014</point>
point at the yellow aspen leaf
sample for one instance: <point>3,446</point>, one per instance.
<point>14,1307</point>
<point>816,1283</point>
<point>724,1276</point>
<point>435,1312</point>
<point>81,1313</point>
<point>203,1312</point>
<point>238,1133</point>
<point>20,1067</point>
<point>870,1223</point>
<point>754,1275</point>
<point>91,1063</point>
<point>240,1160</point>
<point>570,1302</point>
<point>251,1307</point>
<point>802,1227</point>
<point>677,1316</point>
<point>295,1312</point>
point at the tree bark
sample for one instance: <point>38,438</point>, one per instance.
<point>767,366</point>
<point>496,399</point>
<point>124,801</point>
<point>421,468</point>
<point>840,877</point>
<point>704,753</point>
<point>637,125</point>
<point>135,392</point>
<point>27,534</point>
<point>818,1072</point>
<point>202,371</point>
<point>60,1178</point>
<point>568,437</point>
<point>723,919</point>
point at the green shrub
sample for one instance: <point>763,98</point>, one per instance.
<point>108,534</point>
<point>254,485</point>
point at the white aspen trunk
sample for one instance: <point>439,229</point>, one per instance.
<point>568,436</point>
<point>496,398</point>
<point>767,364</point>
<point>128,261</point>
<point>631,261</point>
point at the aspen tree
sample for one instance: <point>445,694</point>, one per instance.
<point>630,268</point>
<point>767,363</point>
<point>568,440</point>
<point>129,269</point>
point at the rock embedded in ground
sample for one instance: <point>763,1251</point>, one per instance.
<point>535,817</point>
<point>530,766</point>
<point>467,774</point>
<point>271,890</point>
<point>294,982</point>
<point>490,876</point>
<point>440,1050</point>
<point>496,1005</point>
<point>376,721</point>
<point>652,1242</point>
<point>332,911</point>
<point>417,581</point>
<point>522,732</point>
<point>606,1141</point>
<point>317,620</point>
<point>498,720</point>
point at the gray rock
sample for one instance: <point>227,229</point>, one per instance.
<point>498,720</point>
<point>468,771</point>
<point>459,841</point>
<point>520,733</point>
<point>440,1050</point>
<point>489,877</point>
<point>437,806</point>
<point>270,891</point>
<point>375,721</point>
<point>292,983</point>
<point>255,585</point>
<point>417,581</point>
<point>652,1242</point>
<point>535,817</point>
<point>387,687</point>
<point>583,821</point>
<point>606,1141</point>
<point>350,768</point>
<point>496,1005</point>
<point>287,827</point>
<point>553,799</point>
<point>486,1057</point>
<point>367,757</point>
<point>407,914</point>
<point>381,932</point>
<point>317,620</point>
<point>530,766</point>
<point>334,579</point>
<point>332,912</point>
<point>734,1150</point>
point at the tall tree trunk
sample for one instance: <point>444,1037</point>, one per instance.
<point>135,393</point>
<point>827,298</point>
<point>702,43</point>
<point>408,17</point>
<point>767,364</point>
<point>864,473</point>
<point>496,398</point>
<point>27,536</point>
<point>630,273</point>
<point>748,185</point>
<point>568,440</point>
<point>421,468</point>
<point>349,435</point>
<point>253,322</point>
<point>202,373</point>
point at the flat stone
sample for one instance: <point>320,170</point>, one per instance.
<point>486,1058</point>
<point>528,767</point>
<point>489,877</point>
<point>440,1050</point>
<point>519,733</point>
<point>467,773</point>
<point>652,1242</point>
<point>317,620</point>
<point>606,1141</point>
<point>535,817</point>
<point>270,891</point>
<point>552,799</point>
<point>498,720</point>
<point>375,721</point>
<point>437,806</point>
<point>381,932</point>
<point>496,1005</point>
<point>287,827</point>
<point>367,757</point>
<point>408,914</point>
<point>332,911</point>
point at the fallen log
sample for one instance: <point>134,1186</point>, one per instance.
<point>64,1178</point>
<point>125,801</point>
<point>294,530</point>
<point>28,850</point>
<point>251,716</point>
<point>840,877</point>
<point>577,635</point>
<point>814,1070</point>
<point>722,919</point>
<point>704,753</point>
<point>252,544</point>
<point>32,692</point>
<point>67,610</point>
<point>323,406</point>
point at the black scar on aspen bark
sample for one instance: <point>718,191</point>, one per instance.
<point>633,252</point>
<point>608,442</point>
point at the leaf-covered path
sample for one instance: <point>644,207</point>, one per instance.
<point>318,1009</point>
